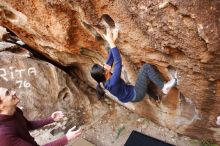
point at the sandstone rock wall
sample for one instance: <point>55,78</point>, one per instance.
<point>183,35</point>
<point>43,88</point>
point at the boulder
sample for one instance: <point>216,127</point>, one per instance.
<point>182,35</point>
<point>44,88</point>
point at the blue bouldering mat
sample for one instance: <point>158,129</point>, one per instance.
<point>139,139</point>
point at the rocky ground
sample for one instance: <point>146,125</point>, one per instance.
<point>115,126</point>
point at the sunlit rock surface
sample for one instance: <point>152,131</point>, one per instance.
<point>183,35</point>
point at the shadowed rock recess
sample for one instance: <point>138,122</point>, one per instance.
<point>182,35</point>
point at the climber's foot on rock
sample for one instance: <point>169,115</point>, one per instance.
<point>169,85</point>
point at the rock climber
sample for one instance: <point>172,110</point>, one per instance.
<point>117,86</point>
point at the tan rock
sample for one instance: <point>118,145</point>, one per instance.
<point>181,34</point>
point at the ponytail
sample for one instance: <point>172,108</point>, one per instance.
<point>98,73</point>
<point>100,91</point>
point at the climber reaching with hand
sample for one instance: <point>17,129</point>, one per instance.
<point>113,82</point>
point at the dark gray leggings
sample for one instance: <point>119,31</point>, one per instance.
<point>146,74</point>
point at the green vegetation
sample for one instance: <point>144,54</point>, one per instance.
<point>146,121</point>
<point>203,142</point>
<point>118,132</point>
<point>194,142</point>
<point>206,142</point>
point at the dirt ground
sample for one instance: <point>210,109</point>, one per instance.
<point>114,128</point>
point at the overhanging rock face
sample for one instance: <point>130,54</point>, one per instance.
<point>183,35</point>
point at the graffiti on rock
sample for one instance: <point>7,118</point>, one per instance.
<point>18,75</point>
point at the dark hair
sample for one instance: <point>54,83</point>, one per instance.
<point>98,73</point>
<point>100,91</point>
